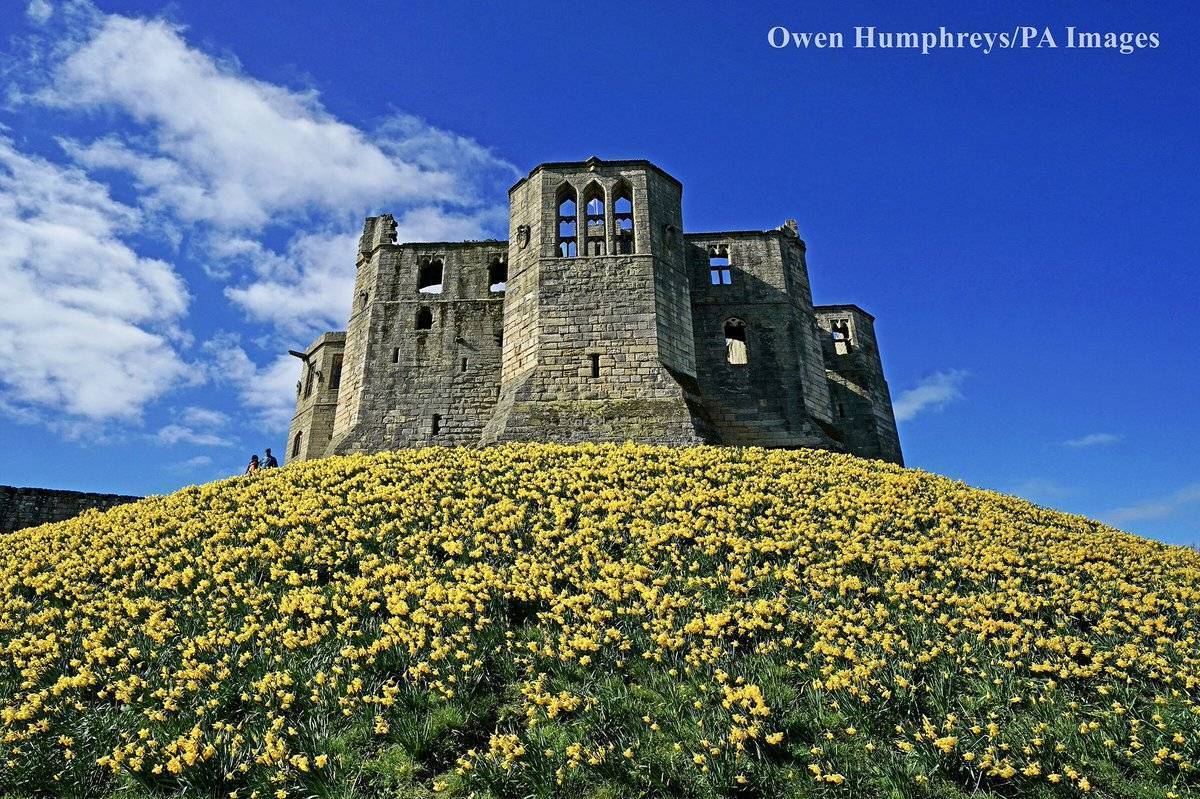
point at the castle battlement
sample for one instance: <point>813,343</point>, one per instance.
<point>599,319</point>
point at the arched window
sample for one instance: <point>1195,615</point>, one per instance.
<point>424,319</point>
<point>429,276</point>
<point>595,221</point>
<point>623,219</point>
<point>735,342</point>
<point>567,241</point>
<point>296,445</point>
<point>498,273</point>
<point>718,265</point>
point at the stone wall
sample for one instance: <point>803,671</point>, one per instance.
<point>428,358</point>
<point>861,399</point>
<point>27,507</point>
<point>316,397</point>
<point>771,398</point>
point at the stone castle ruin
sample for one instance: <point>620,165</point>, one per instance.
<point>599,319</point>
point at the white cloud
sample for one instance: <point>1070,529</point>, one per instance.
<point>1092,440</point>
<point>268,392</point>
<point>88,324</point>
<point>258,185</point>
<point>204,417</point>
<point>197,426</point>
<point>1159,508</point>
<point>931,393</point>
<point>226,148</point>
<point>177,433</point>
<point>39,10</point>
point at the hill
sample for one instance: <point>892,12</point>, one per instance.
<point>595,621</point>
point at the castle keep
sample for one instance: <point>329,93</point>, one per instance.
<point>599,319</point>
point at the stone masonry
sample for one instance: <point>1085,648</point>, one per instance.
<point>28,507</point>
<point>599,319</point>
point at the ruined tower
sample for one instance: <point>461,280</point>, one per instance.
<point>597,314</point>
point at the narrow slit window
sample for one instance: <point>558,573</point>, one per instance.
<point>595,221</point>
<point>296,445</point>
<point>623,219</point>
<point>424,319</point>
<point>310,375</point>
<point>395,355</point>
<point>498,273</point>
<point>435,424</point>
<point>718,265</point>
<point>464,365</point>
<point>335,373</point>
<point>429,276</point>
<point>735,343</point>
<point>567,241</point>
<point>500,339</point>
<point>594,358</point>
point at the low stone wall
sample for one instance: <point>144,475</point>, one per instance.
<point>27,507</point>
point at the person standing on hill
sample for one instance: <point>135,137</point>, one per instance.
<point>269,461</point>
<point>253,465</point>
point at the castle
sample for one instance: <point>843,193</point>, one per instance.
<point>599,319</point>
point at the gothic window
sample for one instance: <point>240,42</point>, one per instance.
<point>840,333</point>
<point>296,445</point>
<point>429,276</point>
<point>735,342</point>
<point>595,220</point>
<point>623,219</point>
<point>498,273</point>
<point>424,319</point>
<point>335,373</point>
<point>718,265</point>
<point>567,240</point>
<point>310,375</point>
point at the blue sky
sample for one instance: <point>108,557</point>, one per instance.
<point>181,184</point>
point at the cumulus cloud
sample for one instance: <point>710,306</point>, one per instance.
<point>226,148</point>
<point>182,434</point>
<point>1092,440</point>
<point>267,392</point>
<point>932,393</point>
<point>90,325</point>
<point>1157,508</point>
<point>196,426</point>
<point>256,185</point>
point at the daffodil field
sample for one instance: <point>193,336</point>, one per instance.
<point>595,621</point>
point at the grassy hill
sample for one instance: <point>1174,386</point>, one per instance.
<point>595,621</point>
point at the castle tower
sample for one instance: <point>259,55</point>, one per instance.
<point>316,397</point>
<point>598,342</point>
<point>861,401</point>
